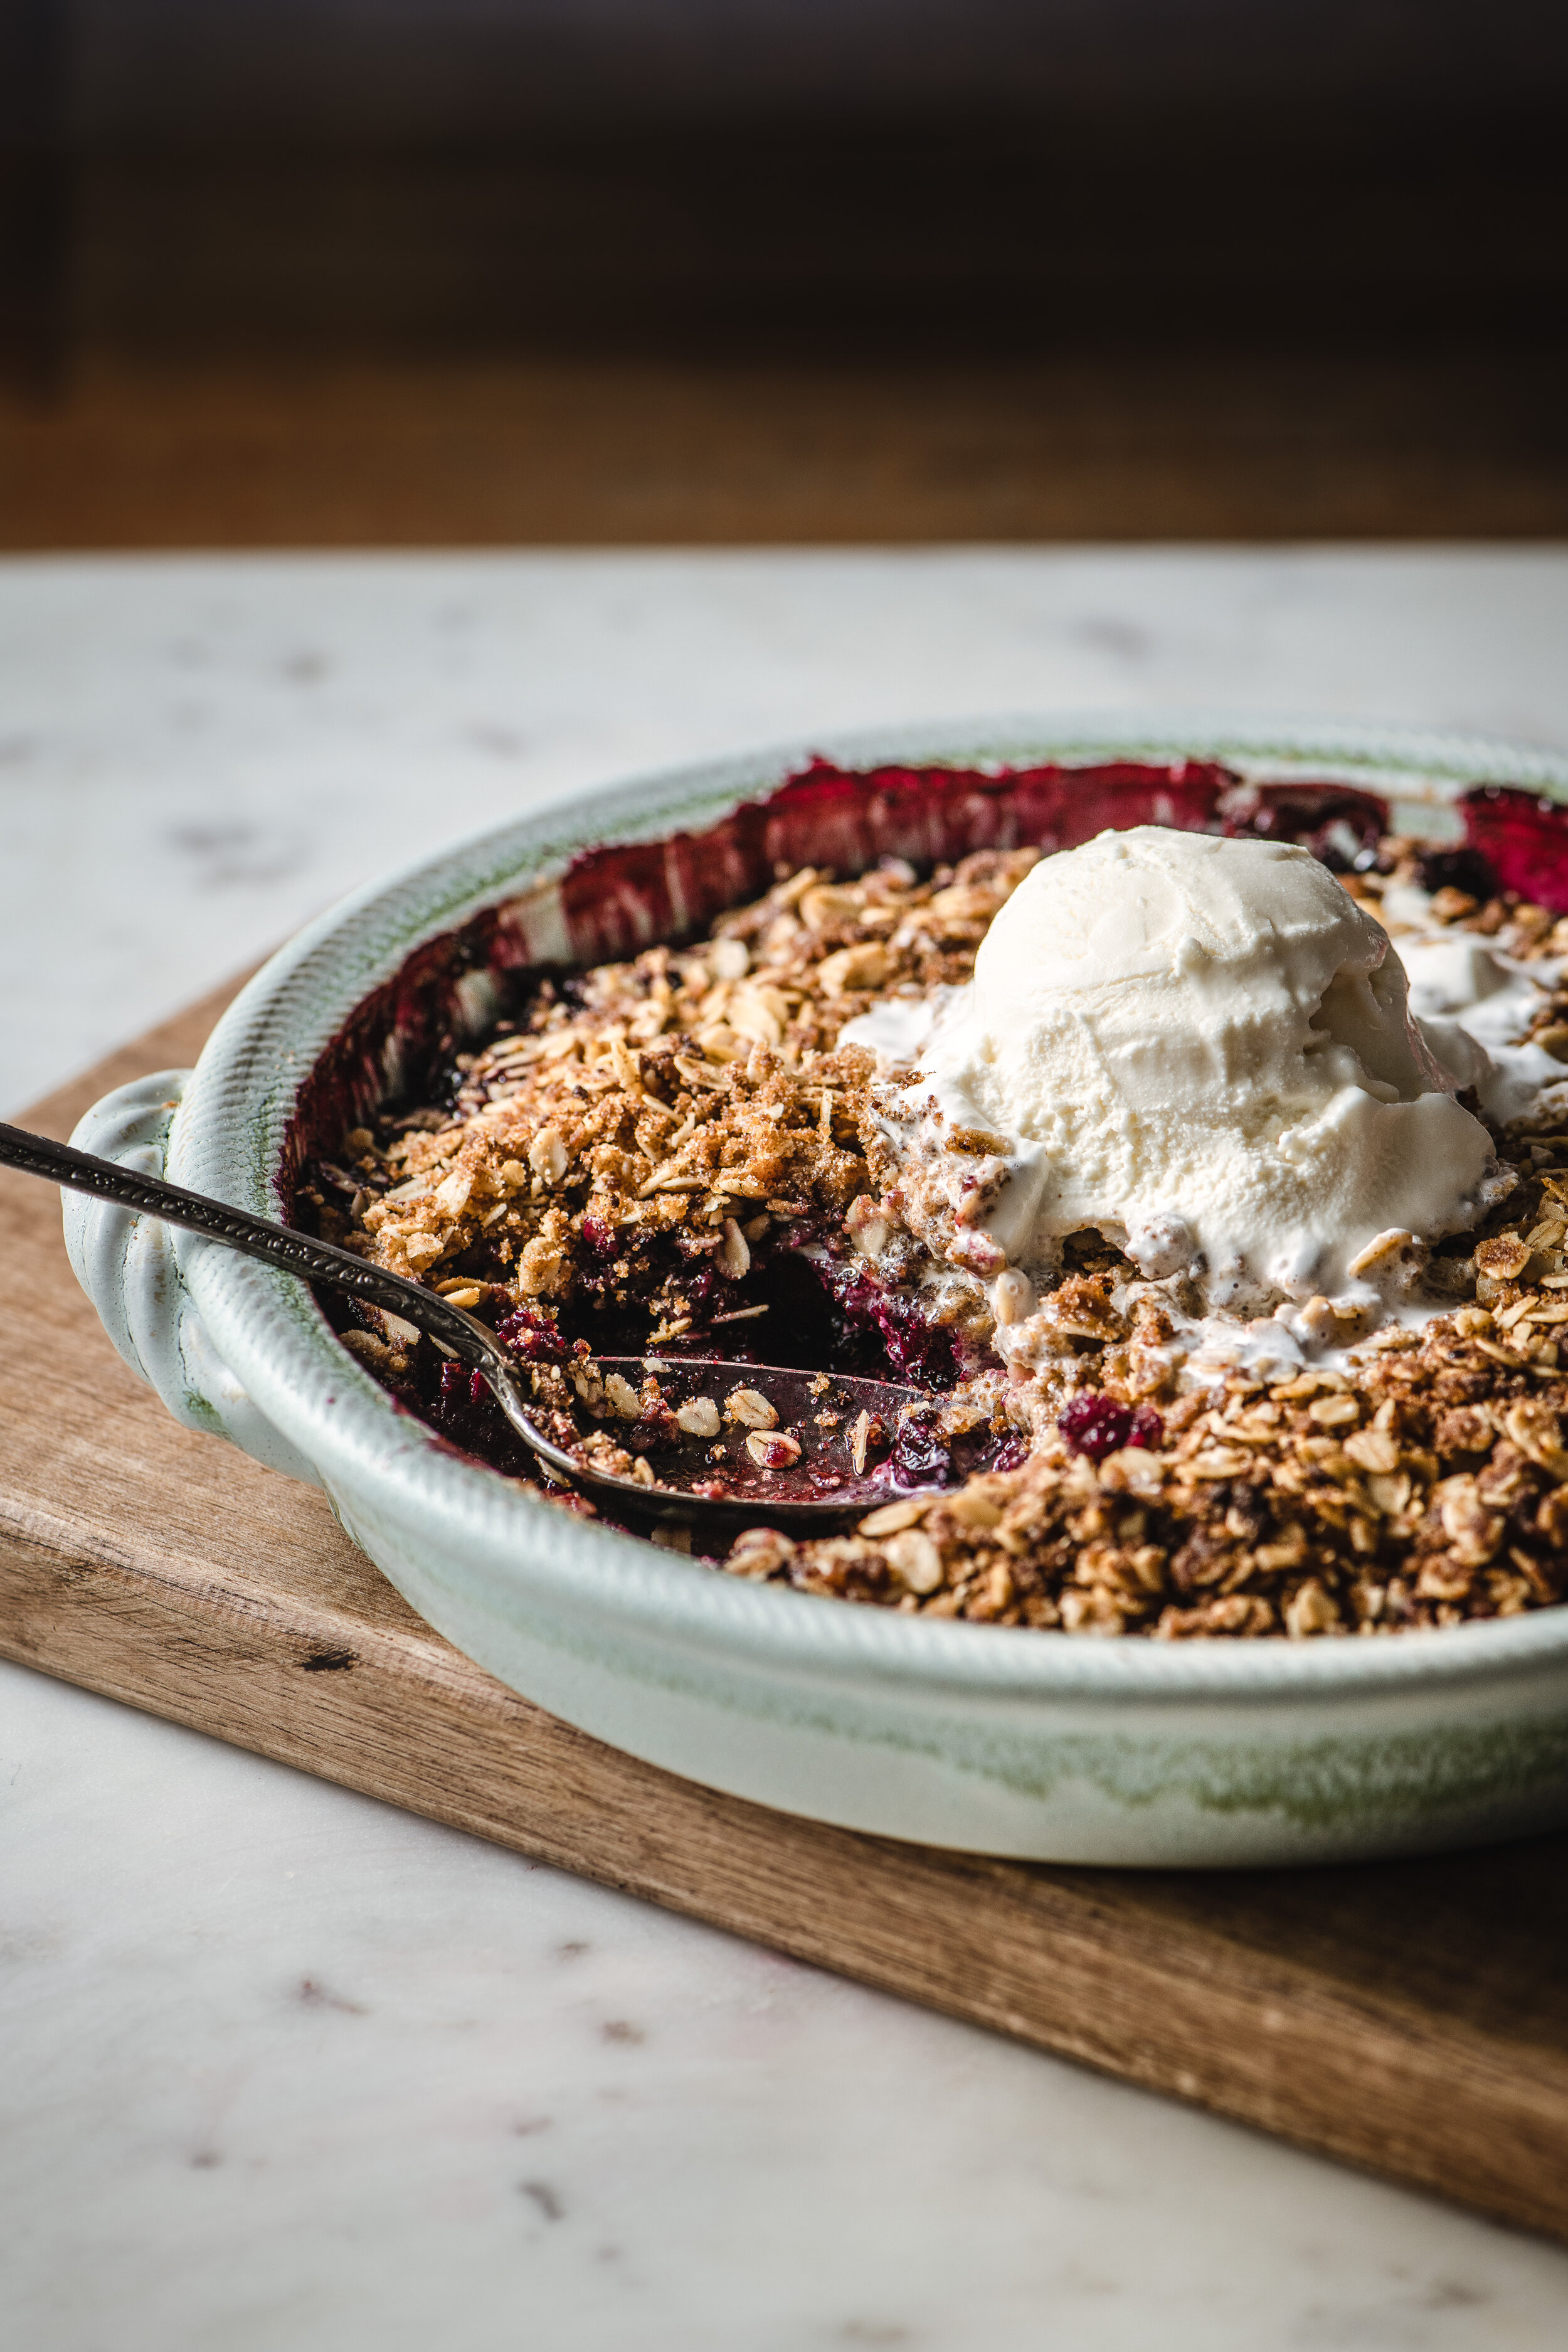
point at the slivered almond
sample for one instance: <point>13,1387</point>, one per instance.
<point>916,1559</point>
<point>1372,1449</point>
<point>624,1063</point>
<point>972,1509</point>
<point>1289,1552</point>
<point>773,1449</point>
<point>1309,1611</point>
<point>1390,1493</point>
<point>825,904</point>
<point>1537,1432</point>
<point>760,1014</point>
<point>894,1516</point>
<point>867,1226</point>
<point>547,1156</point>
<point>727,959</point>
<point>1218,1462</point>
<point>858,967</point>
<point>1304,1384</point>
<point>1381,1248</point>
<point>1012,1297</point>
<point>697,1074</point>
<point>736,1257</point>
<point>750,1408</point>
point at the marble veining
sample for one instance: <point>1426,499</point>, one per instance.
<point>283,2070</point>
<point>286,2070</point>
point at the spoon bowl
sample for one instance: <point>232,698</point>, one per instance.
<point>730,1445</point>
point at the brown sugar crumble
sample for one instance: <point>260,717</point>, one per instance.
<point>674,1154</point>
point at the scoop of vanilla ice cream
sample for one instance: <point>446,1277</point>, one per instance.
<point>1204,1048</point>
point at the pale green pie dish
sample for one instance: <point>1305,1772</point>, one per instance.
<point>994,1739</point>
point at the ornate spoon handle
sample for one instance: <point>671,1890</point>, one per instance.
<point>258,1237</point>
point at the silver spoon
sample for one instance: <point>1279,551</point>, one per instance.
<point>705,1479</point>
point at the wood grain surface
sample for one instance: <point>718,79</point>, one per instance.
<point>954,329</point>
<point>441,451</point>
<point>1409,2019</point>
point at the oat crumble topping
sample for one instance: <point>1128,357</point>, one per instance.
<point>657,1150</point>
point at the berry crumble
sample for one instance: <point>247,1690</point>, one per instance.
<point>708,1148</point>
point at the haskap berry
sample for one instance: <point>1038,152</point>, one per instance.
<point>1097,1425</point>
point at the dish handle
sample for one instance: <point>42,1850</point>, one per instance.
<point>127,1265</point>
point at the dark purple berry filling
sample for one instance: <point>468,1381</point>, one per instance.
<point>1097,1425</point>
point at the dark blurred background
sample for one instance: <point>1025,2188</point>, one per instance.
<point>340,271</point>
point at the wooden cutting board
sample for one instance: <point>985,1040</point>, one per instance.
<point>1409,2018</point>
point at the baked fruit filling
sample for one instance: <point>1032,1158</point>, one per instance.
<point>1211,1177</point>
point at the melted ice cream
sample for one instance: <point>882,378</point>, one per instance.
<point>1204,1048</point>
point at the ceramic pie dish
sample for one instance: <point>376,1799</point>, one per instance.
<point>992,1739</point>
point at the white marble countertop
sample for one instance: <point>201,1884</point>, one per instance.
<point>284,2070</point>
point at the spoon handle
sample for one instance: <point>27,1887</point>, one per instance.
<point>258,1237</point>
